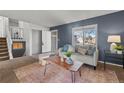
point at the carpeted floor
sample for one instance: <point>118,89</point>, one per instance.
<point>55,74</point>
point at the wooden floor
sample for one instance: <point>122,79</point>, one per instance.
<point>95,76</point>
<point>118,70</point>
<point>33,73</point>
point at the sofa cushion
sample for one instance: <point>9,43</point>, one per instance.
<point>81,51</point>
<point>85,49</point>
<point>91,50</point>
<point>82,58</point>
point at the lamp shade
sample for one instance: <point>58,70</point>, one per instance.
<point>114,39</point>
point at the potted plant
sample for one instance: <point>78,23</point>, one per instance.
<point>119,49</point>
<point>68,59</point>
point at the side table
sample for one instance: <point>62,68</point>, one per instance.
<point>109,54</point>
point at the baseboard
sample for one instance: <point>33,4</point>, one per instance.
<point>110,63</point>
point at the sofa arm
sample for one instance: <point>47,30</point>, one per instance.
<point>95,57</point>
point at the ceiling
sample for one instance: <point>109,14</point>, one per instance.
<point>49,18</point>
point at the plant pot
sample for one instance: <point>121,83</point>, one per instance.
<point>113,51</point>
<point>69,60</point>
<point>119,52</point>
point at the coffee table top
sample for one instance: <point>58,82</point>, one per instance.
<point>74,67</point>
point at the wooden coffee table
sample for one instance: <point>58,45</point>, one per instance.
<point>75,67</point>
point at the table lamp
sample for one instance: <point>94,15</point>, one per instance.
<point>113,39</point>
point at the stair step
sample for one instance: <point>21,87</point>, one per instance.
<point>4,54</point>
<point>3,46</point>
<point>3,50</point>
<point>2,37</point>
<point>4,58</point>
<point>2,41</point>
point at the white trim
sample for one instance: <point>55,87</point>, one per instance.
<point>83,27</point>
<point>54,30</point>
<point>110,63</point>
<point>37,27</point>
<point>56,38</point>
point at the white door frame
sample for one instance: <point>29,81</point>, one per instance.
<point>55,36</point>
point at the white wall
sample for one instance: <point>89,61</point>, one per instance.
<point>2,27</point>
<point>28,28</point>
<point>27,33</point>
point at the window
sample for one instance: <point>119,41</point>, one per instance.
<point>85,35</point>
<point>90,37</point>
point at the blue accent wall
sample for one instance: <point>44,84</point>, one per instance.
<point>107,25</point>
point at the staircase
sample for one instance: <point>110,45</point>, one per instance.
<point>4,55</point>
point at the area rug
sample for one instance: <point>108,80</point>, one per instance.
<point>55,74</point>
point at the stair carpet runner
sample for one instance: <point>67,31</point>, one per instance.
<point>3,49</point>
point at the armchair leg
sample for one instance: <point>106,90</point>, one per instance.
<point>94,67</point>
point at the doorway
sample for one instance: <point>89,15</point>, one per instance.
<point>36,42</point>
<point>54,40</point>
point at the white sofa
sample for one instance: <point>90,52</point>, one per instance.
<point>87,59</point>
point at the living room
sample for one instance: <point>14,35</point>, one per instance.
<point>61,46</point>
<point>67,46</point>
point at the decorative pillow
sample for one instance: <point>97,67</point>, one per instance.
<point>85,49</point>
<point>91,51</point>
<point>82,51</point>
<point>85,46</point>
<point>76,48</point>
<point>65,48</point>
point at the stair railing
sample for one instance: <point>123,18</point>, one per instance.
<point>8,38</point>
<point>9,43</point>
